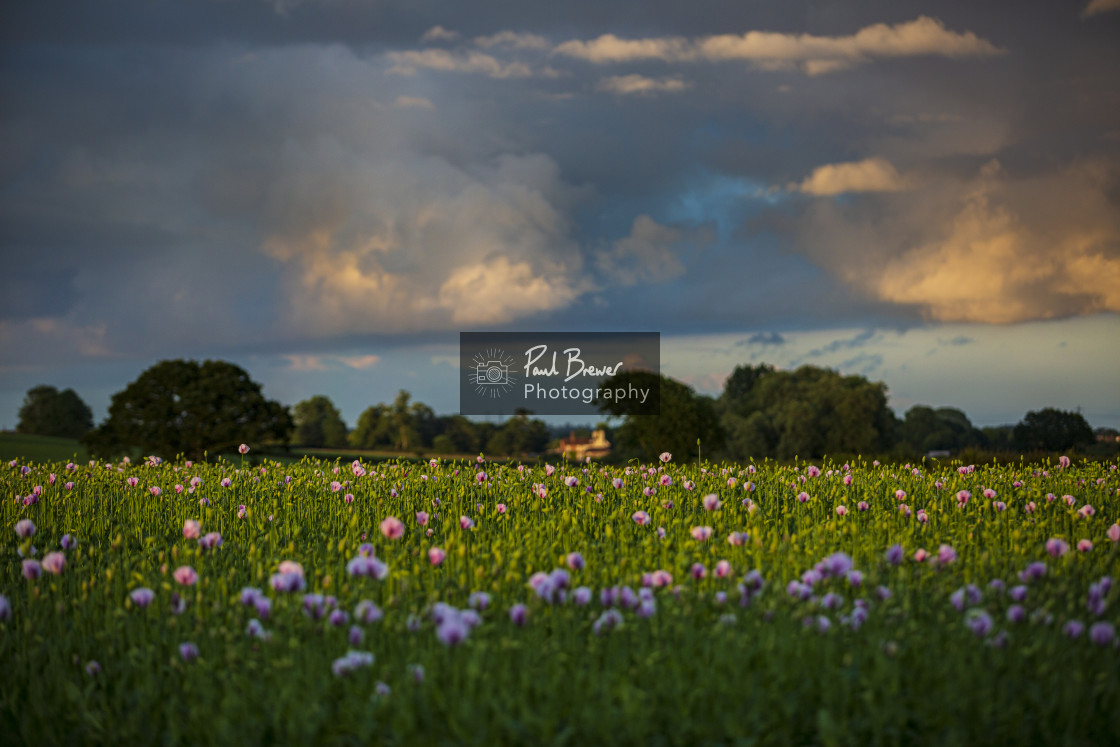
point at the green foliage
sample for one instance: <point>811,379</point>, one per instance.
<point>684,418</point>
<point>1051,429</point>
<point>49,412</point>
<point>807,412</point>
<point>519,436</point>
<point>701,669</point>
<point>925,429</point>
<point>319,424</point>
<point>184,407</point>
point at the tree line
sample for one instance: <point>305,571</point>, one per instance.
<point>190,408</point>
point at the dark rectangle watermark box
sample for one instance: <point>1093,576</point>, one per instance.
<point>559,373</point>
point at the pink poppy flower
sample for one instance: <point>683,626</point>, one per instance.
<point>25,528</point>
<point>500,508</point>
<point>243,448</point>
<point>701,534</point>
<point>191,529</point>
<point>466,522</point>
<point>1056,547</point>
<point>841,510</point>
<point>392,528</point>
<point>710,502</point>
<point>54,563</point>
<point>640,517</point>
<point>422,518</point>
<point>185,575</point>
<point>436,555</point>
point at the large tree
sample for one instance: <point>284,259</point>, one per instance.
<point>184,407</point>
<point>319,423</point>
<point>807,412</point>
<point>49,412</point>
<point>1051,429</point>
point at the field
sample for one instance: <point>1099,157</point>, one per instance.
<point>456,602</point>
<point>39,448</point>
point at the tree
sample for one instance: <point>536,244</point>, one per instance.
<point>519,436</point>
<point>319,424</point>
<point>371,431</point>
<point>925,429</point>
<point>684,417</point>
<point>807,412</point>
<point>49,412</point>
<point>1051,429</point>
<point>183,407</point>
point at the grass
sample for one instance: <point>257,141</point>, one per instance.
<point>39,448</point>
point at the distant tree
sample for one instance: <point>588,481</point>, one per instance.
<point>319,424</point>
<point>998,437</point>
<point>519,436</point>
<point>684,417</point>
<point>1051,429</point>
<point>372,430</point>
<point>925,429</point>
<point>49,412</point>
<point>461,436</point>
<point>184,407</point>
<point>808,412</point>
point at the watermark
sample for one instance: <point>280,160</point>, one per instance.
<point>559,373</point>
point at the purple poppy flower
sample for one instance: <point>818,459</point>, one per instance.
<point>1102,633</point>
<point>142,597</point>
<point>519,615</point>
<point>188,651</point>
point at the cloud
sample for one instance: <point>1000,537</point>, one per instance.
<point>359,362</point>
<point>647,255</point>
<point>38,340</point>
<point>994,248</point>
<point>868,175</point>
<point>1100,6</point>
<point>408,62</point>
<point>957,341</point>
<point>513,39</point>
<point>413,102</point>
<point>304,363</point>
<point>439,33</point>
<point>628,85</point>
<point>815,55</point>
<point>409,244</point>
<point>765,338</point>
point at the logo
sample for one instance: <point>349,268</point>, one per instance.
<point>491,374</point>
<point>559,373</point>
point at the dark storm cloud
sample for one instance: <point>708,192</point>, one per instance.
<point>304,174</point>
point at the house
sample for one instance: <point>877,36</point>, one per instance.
<point>579,449</point>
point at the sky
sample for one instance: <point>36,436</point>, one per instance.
<point>326,192</point>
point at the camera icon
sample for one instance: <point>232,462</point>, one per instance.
<point>492,373</point>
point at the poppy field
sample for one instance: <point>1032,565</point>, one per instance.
<point>470,602</point>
